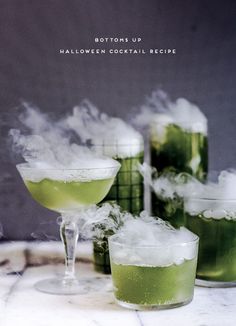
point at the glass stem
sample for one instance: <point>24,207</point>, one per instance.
<point>69,234</point>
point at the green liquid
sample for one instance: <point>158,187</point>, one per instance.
<point>182,151</point>
<point>217,248</point>
<point>179,151</point>
<point>127,189</point>
<point>101,256</point>
<point>62,196</point>
<point>170,210</point>
<point>128,192</point>
<point>146,285</point>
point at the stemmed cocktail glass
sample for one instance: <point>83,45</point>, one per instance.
<point>69,192</point>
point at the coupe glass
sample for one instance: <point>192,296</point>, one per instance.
<point>69,192</point>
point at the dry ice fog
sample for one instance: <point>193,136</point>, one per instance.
<point>48,143</point>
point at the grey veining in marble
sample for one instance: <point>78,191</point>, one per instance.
<point>23,264</point>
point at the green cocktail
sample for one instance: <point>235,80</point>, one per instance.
<point>177,148</point>
<point>127,190</point>
<point>68,195</point>
<point>146,277</point>
<point>154,285</point>
<point>214,221</point>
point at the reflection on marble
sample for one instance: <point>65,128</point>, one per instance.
<point>23,264</point>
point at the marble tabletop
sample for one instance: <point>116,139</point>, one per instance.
<point>24,263</point>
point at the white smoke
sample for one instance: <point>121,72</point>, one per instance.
<point>47,145</point>
<point>148,241</point>
<point>103,221</point>
<point>143,239</point>
<point>212,199</point>
<point>169,185</point>
<point>215,200</point>
<point>158,108</point>
<point>109,135</point>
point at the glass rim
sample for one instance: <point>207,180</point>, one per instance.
<point>23,166</point>
<point>184,243</point>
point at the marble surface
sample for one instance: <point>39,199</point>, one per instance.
<point>23,264</point>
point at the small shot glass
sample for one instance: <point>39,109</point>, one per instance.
<point>153,277</point>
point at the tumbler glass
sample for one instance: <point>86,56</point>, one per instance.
<point>214,221</point>
<point>153,277</point>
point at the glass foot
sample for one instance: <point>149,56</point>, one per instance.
<point>60,286</point>
<point>70,287</point>
<point>213,284</point>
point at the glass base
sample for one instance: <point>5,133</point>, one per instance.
<point>60,286</point>
<point>134,306</point>
<point>72,287</point>
<point>214,284</point>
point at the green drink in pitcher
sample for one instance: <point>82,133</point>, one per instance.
<point>179,143</point>
<point>179,149</point>
<point>127,190</point>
